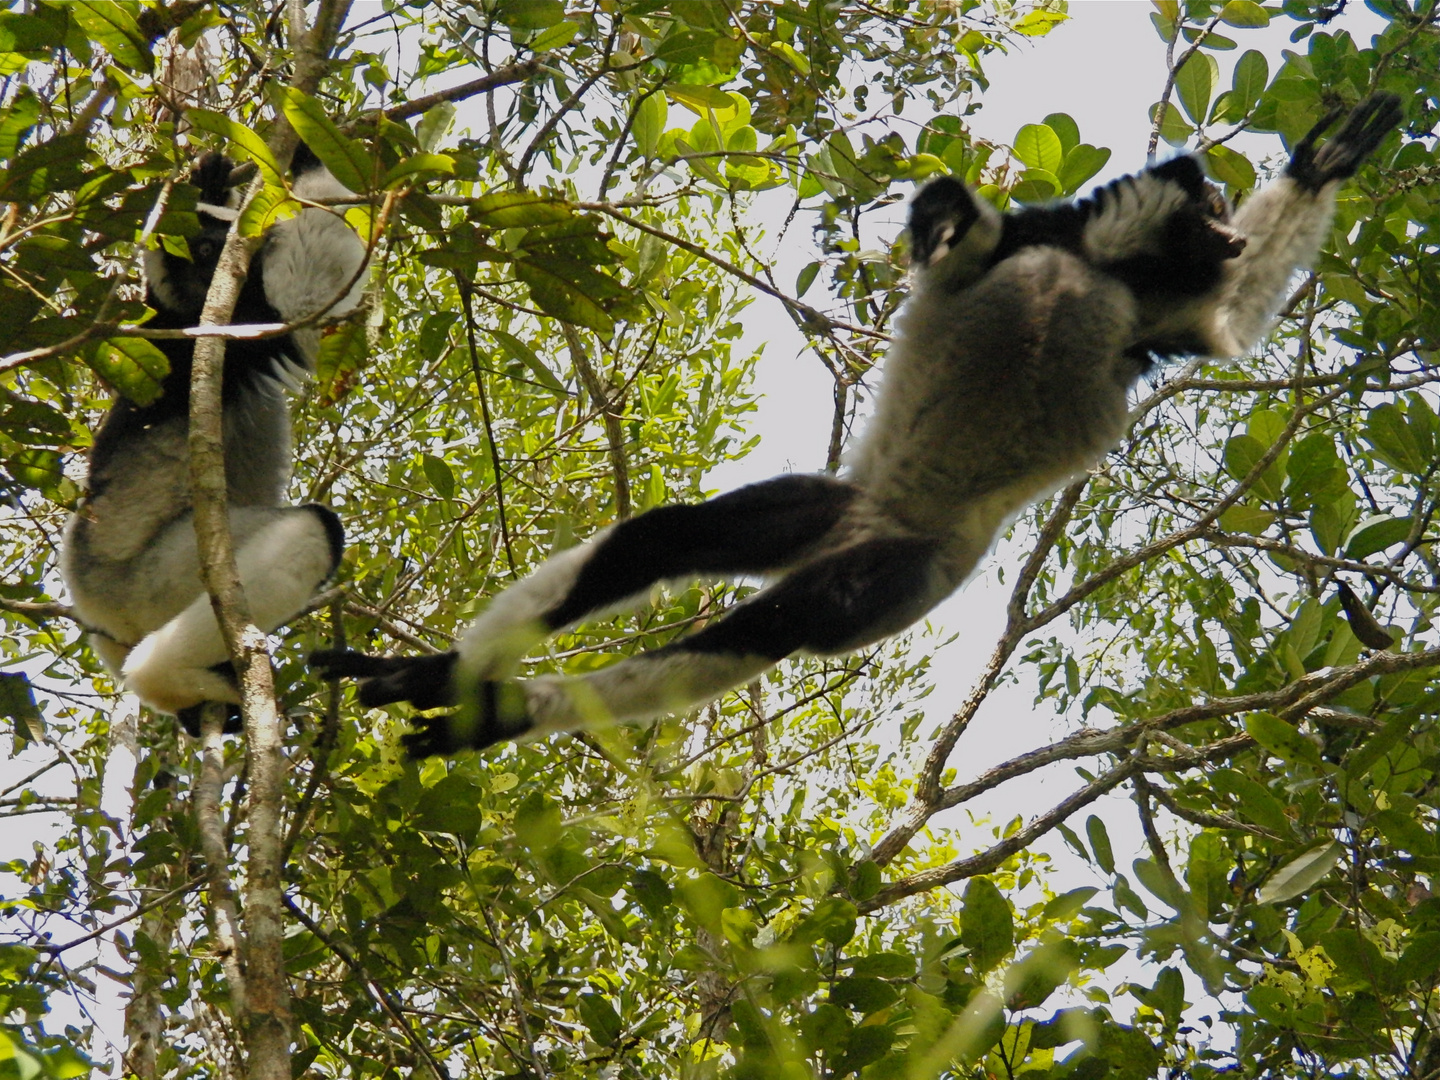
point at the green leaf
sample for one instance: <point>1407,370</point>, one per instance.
<point>1389,434</point>
<point>1229,167</point>
<point>518,350</point>
<point>1247,518</point>
<point>1167,996</point>
<point>699,98</point>
<point>555,37</point>
<point>865,882</point>
<point>864,1045</point>
<point>1064,126</point>
<point>1254,801</point>
<point>987,928</point>
<point>885,965</point>
<point>1252,72</point>
<point>1375,534</point>
<point>133,366</point>
<point>1068,905</point>
<point>652,892</point>
<point>1242,453</point>
<point>530,14</point>
<point>601,1018</point>
<point>650,117</point>
<point>1195,83</point>
<point>1036,186</point>
<point>806,278</point>
<point>1282,739</point>
<point>1081,163</point>
<point>437,471</point>
<point>1244,13</point>
<point>343,156</point>
<point>511,209</point>
<point>245,142</point>
<point>1031,981</point>
<point>1357,959</point>
<point>17,704</point>
<point>1039,23</point>
<point>1158,883</point>
<point>556,292</point>
<point>537,822</point>
<point>825,1027</point>
<point>1404,833</point>
<point>17,121</point>
<point>1039,147</point>
<point>1421,958</point>
<point>434,125</point>
<point>1128,898</point>
<point>1173,128</point>
<point>1364,757</point>
<point>416,164</point>
<point>1100,843</point>
<point>1314,473</point>
<point>111,25</point>
<point>1302,873</point>
<point>865,995</point>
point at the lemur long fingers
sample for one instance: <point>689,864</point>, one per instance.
<point>1365,129</point>
<point>501,716</point>
<point>427,682</point>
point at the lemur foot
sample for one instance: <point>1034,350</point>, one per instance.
<point>1365,129</point>
<point>426,682</point>
<point>501,715</point>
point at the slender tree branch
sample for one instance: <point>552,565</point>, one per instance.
<point>505,76</point>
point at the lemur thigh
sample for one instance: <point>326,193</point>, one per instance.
<point>831,605</point>
<point>281,563</point>
<point>755,530</point>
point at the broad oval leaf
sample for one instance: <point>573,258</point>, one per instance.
<point>1195,83</point>
<point>1230,168</point>
<point>417,164</point>
<point>649,124</point>
<point>530,14</point>
<point>1064,126</point>
<point>1244,13</point>
<point>1173,128</point>
<point>1039,147</point>
<point>1252,72</point>
<point>1282,739</point>
<point>133,366</point>
<point>1376,534</point>
<point>987,927</point>
<point>115,29</point>
<point>1081,163</point>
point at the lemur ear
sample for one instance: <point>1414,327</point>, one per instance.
<point>943,212</point>
<point>1187,173</point>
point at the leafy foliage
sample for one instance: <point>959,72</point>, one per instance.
<point>563,264</point>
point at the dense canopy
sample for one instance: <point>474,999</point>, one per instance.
<point>577,208</point>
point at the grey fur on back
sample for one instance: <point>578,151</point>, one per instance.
<point>1031,390</point>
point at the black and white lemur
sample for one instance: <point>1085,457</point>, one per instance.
<point>1008,377</point>
<point>130,558</point>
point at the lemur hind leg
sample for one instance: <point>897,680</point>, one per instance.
<point>757,529</point>
<point>838,602</point>
<point>287,553</point>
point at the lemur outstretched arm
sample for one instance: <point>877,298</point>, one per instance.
<point>1286,222</point>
